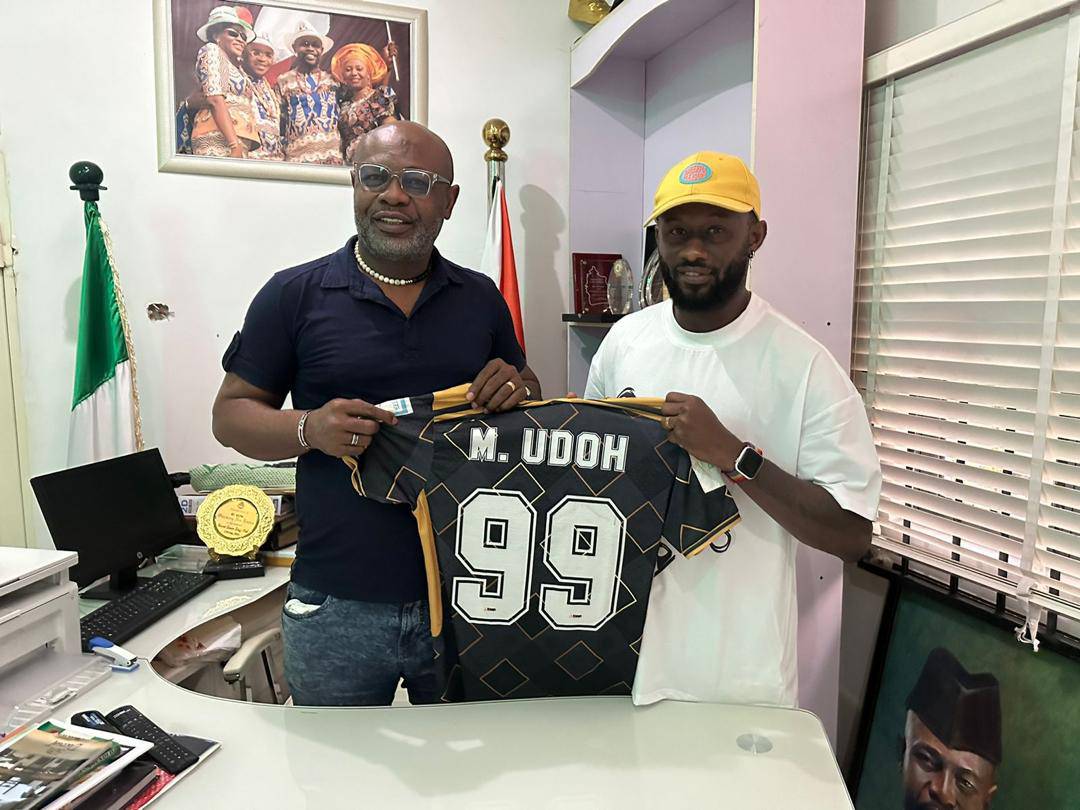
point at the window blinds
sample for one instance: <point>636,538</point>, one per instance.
<point>967,323</point>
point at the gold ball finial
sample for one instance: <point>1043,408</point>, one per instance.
<point>496,135</point>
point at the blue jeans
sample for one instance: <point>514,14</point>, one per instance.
<point>339,652</point>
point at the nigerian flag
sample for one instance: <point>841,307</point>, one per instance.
<point>105,407</point>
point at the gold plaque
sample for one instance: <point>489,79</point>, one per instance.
<point>235,520</point>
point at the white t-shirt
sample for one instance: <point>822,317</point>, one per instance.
<point>722,625</point>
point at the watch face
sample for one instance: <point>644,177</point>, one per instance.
<point>749,462</point>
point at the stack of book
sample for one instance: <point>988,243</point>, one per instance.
<point>54,765</point>
<point>285,529</point>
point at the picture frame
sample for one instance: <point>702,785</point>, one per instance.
<point>1038,697</point>
<point>180,34</point>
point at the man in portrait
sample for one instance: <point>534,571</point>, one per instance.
<point>952,737</point>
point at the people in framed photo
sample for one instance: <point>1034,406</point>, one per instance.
<point>282,90</point>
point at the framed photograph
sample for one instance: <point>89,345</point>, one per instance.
<point>591,272</point>
<point>960,714</point>
<point>282,90</point>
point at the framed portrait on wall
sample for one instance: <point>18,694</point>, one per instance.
<point>282,90</point>
<point>959,713</point>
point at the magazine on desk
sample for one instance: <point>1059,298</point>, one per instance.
<point>202,748</point>
<point>120,791</point>
<point>55,765</point>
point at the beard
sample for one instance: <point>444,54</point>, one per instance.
<point>725,284</point>
<point>413,247</point>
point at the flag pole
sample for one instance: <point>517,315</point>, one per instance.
<point>497,261</point>
<point>86,178</point>
<point>496,134</point>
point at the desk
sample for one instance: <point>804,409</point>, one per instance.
<point>560,753</point>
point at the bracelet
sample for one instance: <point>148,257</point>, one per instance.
<point>300,429</point>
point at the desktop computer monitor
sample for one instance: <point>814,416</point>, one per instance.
<point>115,514</point>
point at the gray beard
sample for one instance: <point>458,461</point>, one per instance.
<point>377,245</point>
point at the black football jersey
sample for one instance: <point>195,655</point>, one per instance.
<point>542,529</point>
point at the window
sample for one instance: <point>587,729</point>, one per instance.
<point>967,333</point>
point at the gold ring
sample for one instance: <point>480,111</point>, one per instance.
<point>511,384</point>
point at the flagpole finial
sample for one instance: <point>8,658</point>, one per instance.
<point>496,135</point>
<point>87,178</point>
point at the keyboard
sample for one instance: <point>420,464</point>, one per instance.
<point>147,602</point>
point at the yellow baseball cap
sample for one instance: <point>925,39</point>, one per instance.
<point>712,178</point>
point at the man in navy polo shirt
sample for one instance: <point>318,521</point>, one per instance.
<point>386,316</point>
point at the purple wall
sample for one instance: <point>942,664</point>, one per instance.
<point>806,156</point>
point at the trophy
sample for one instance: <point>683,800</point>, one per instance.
<point>234,522</point>
<point>652,289</point>
<point>620,288</point>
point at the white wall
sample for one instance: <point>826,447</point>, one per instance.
<point>889,22</point>
<point>698,95</point>
<point>77,83</point>
<point>608,125</point>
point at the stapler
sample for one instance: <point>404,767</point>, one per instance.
<point>121,659</point>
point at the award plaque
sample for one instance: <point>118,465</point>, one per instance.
<point>591,272</point>
<point>234,522</point>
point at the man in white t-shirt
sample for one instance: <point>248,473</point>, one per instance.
<point>753,397</point>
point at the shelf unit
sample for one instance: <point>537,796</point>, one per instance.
<point>652,82</point>
<point>602,319</point>
<point>584,333</point>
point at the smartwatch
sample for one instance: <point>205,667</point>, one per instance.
<point>747,464</point>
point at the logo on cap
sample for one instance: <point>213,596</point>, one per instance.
<point>695,173</point>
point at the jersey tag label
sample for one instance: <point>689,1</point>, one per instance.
<point>708,475</point>
<point>398,407</point>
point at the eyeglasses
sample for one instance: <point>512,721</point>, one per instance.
<point>232,32</point>
<point>414,182</point>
